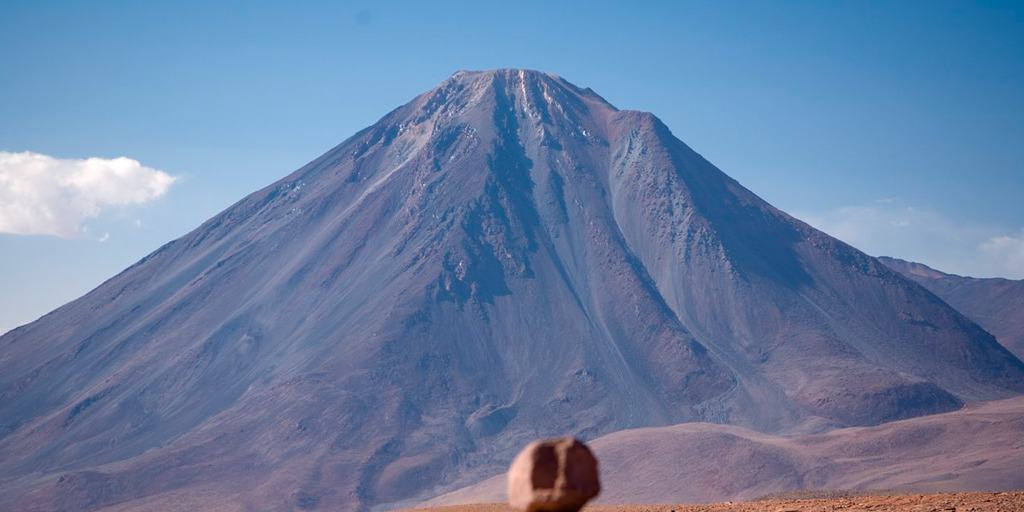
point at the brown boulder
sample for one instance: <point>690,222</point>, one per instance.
<point>554,475</point>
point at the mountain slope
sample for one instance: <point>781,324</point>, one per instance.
<point>975,448</point>
<point>507,256</point>
<point>996,304</point>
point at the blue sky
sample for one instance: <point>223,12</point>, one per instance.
<point>898,127</point>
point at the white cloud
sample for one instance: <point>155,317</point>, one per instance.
<point>1007,251</point>
<point>43,195</point>
<point>890,228</point>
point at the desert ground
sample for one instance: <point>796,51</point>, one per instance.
<point>946,502</point>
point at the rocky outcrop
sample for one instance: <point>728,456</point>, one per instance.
<point>555,475</point>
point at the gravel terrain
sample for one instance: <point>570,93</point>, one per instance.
<point>951,502</point>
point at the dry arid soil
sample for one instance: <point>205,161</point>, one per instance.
<point>951,502</point>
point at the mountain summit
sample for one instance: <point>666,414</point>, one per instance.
<point>507,256</point>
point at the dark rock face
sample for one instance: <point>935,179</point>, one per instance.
<point>505,257</point>
<point>996,304</point>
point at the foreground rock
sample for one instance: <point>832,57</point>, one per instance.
<point>556,475</point>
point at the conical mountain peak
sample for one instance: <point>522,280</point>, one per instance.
<point>511,79</point>
<point>521,74</point>
<point>504,257</point>
<point>540,97</point>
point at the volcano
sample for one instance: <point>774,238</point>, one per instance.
<point>506,257</point>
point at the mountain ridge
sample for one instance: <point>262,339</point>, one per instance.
<point>995,303</point>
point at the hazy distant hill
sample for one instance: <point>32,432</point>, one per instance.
<point>996,304</point>
<point>505,257</point>
<point>980,447</point>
